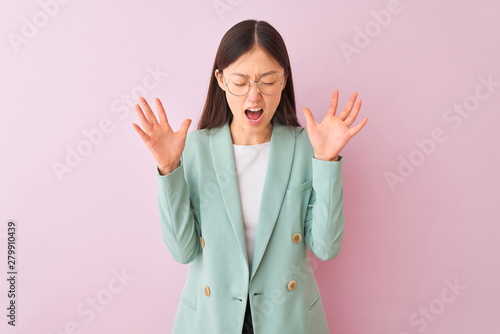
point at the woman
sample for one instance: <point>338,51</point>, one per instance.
<point>243,197</point>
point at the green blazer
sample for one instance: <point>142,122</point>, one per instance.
<point>202,224</point>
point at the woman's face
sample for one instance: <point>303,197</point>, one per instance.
<point>252,65</point>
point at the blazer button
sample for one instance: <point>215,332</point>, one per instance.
<point>202,241</point>
<point>292,285</point>
<point>207,290</point>
<point>296,238</point>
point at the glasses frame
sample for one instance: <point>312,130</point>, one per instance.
<point>258,82</point>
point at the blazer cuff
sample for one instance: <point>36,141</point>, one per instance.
<point>326,161</point>
<point>176,171</point>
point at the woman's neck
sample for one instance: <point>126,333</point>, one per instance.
<point>240,138</point>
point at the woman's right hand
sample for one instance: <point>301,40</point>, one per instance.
<point>165,144</point>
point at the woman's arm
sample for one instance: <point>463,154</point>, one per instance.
<point>180,228</point>
<point>324,225</point>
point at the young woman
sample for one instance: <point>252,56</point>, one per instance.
<point>244,196</point>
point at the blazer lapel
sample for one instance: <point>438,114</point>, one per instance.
<point>221,149</point>
<point>277,175</point>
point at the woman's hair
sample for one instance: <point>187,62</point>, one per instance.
<point>241,38</point>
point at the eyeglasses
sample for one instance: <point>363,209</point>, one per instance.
<point>268,84</point>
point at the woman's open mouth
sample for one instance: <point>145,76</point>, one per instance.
<point>254,115</point>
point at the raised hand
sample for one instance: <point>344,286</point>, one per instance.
<point>165,144</point>
<point>330,137</point>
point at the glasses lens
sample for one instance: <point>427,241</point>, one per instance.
<point>238,85</point>
<point>269,84</point>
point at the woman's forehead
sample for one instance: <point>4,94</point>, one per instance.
<point>257,74</point>
<point>255,62</point>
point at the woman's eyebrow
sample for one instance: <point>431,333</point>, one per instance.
<point>246,76</point>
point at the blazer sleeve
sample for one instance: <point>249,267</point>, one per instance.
<point>324,225</point>
<point>179,226</point>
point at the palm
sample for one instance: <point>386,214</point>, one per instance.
<point>330,136</point>
<point>165,145</point>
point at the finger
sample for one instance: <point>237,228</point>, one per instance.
<point>161,112</point>
<point>353,131</point>
<point>185,126</point>
<point>348,107</point>
<point>334,102</point>
<point>354,114</point>
<point>144,135</point>
<point>144,121</point>
<point>149,113</point>
<point>309,117</point>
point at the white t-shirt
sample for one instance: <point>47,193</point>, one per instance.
<point>251,166</point>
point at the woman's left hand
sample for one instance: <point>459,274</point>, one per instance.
<point>330,137</point>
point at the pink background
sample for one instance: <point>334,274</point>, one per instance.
<point>403,244</point>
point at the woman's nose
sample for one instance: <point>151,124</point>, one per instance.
<point>254,92</point>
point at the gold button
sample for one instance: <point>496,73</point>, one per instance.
<point>207,291</point>
<point>292,285</point>
<point>296,238</point>
<point>202,241</point>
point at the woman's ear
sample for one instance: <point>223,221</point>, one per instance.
<point>220,80</point>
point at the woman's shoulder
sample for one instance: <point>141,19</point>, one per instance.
<point>197,134</point>
<point>301,136</point>
<point>196,140</point>
<point>199,140</point>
